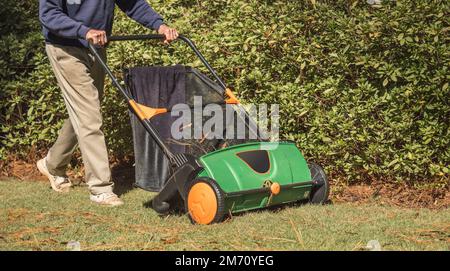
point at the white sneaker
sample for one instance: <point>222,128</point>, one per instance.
<point>110,199</point>
<point>58,183</point>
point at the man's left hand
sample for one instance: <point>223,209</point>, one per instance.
<point>170,33</point>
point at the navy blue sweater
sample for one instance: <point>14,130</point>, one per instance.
<point>66,22</point>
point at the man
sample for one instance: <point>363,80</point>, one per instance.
<point>68,26</point>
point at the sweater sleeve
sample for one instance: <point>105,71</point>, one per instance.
<point>141,12</point>
<point>56,21</point>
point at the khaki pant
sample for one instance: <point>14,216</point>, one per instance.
<point>81,80</point>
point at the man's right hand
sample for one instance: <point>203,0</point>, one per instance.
<point>96,37</point>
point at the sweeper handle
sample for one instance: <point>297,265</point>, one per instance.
<point>145,113</point>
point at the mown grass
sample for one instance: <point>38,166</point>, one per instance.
<point>32,217</point>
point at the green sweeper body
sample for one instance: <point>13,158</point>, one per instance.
<point>247,174</point>
<point>251,176</point>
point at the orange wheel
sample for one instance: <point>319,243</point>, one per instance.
<point>205,202</point>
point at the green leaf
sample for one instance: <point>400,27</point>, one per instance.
<point>30,111</point>
<point>393,162</point>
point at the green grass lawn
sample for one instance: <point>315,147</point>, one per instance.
<point>33,217</point>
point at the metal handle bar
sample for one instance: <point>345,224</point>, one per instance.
<point>185,39</point>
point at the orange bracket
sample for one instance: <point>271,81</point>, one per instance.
<point>145,112</point>
<point>231,98</point>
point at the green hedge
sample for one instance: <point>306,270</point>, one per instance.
<point>363,89</point>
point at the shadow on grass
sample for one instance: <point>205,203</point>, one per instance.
<point>123,176</point>
<point>278,208</point>
<point>179,208</point>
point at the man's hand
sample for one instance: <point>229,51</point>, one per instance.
<point>96,37</point>
<point>170,33</point>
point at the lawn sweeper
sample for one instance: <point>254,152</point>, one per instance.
<point>221,179</point>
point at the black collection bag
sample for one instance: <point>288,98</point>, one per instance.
<point>164,87</point>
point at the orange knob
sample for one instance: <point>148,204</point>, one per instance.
<point>275,188</point>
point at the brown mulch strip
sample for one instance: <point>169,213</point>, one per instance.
<point>381,192</point>
<point>27,171</point>
<point>396,194</point>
